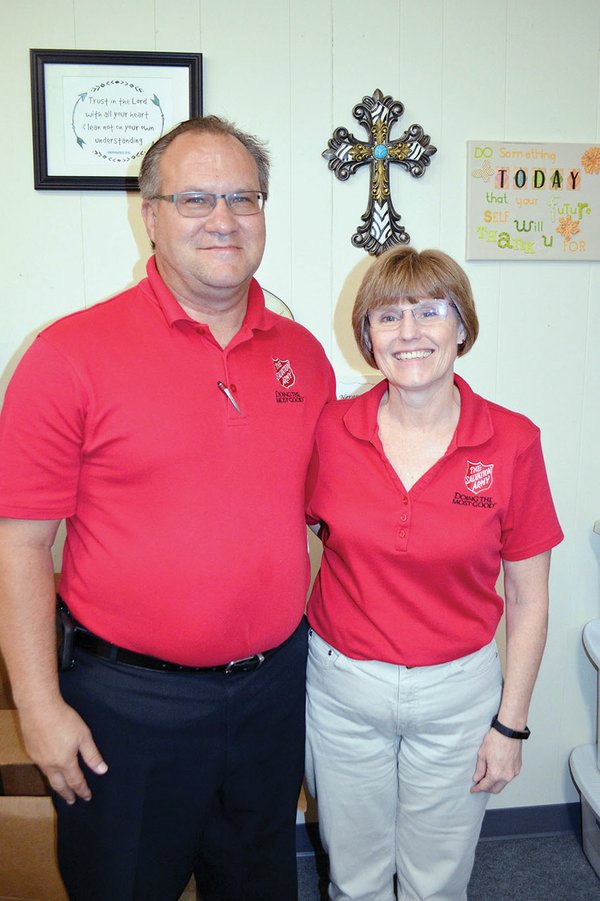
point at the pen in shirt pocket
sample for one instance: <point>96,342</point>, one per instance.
<point>223,387</point>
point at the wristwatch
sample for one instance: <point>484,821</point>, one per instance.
<point>510,733</point>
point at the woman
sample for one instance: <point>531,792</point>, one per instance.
<point>421,489</point>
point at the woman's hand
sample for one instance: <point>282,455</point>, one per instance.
<point>498,762</point>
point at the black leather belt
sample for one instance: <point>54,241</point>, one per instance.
<point>107,651</point>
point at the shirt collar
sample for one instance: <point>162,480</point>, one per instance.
<point>257,317</point>
<point>474,424</point>
<point>361,417</point>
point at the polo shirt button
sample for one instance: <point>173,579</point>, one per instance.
<point>403,517</point>
<point>405,500</point>
<point>402,533</point>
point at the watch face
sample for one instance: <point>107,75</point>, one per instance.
<point>276,305</point>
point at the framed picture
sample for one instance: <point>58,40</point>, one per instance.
<point>533,201</point>
<point>96,112</point>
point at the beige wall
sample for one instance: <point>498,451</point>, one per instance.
<point>291,70</point>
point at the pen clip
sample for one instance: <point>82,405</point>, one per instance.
<point>222,387</point>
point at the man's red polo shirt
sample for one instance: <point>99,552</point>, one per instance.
<point>185,521</point>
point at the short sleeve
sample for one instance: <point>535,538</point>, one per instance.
<point>41,429</point>
<point>531,525</point>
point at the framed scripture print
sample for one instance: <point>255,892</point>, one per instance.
<point>96,112</point>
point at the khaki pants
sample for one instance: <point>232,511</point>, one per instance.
<point>391,752</point>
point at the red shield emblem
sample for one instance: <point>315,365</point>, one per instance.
<point>479,476</point>
<point>284,372</point>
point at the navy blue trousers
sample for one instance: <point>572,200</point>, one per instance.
<point>204,775</point>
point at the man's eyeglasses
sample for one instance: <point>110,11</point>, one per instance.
<point>425,312</point>
<point>196,204</point>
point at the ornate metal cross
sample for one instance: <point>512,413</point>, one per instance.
<point>345,155</point>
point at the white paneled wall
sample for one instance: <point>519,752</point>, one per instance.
<point>291,71</point>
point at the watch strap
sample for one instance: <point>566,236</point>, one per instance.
<point>510,733</point>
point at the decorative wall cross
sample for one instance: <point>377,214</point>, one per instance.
<point>345,154</point>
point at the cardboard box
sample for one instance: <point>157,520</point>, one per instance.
<point>6,699</point>
<point>18,775</point>
<point>28,869</point>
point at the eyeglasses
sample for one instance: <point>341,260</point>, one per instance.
<point>197,204</point>
<point>425,312</point>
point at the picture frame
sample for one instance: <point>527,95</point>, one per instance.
<point>96,112</point>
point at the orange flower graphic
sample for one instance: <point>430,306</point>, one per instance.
<point>567,227</point>
<point>591,160</point>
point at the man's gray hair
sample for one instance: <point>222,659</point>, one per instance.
<point>149,177</point>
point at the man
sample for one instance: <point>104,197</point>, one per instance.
<point>171,427</point>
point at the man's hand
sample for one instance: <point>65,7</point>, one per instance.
<point>54,737</point>
<point>498,762</point>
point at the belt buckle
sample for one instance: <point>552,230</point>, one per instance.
<point>245,664</point>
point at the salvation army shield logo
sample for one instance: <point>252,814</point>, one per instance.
<point>284,372</point>
<point>479,476</point>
